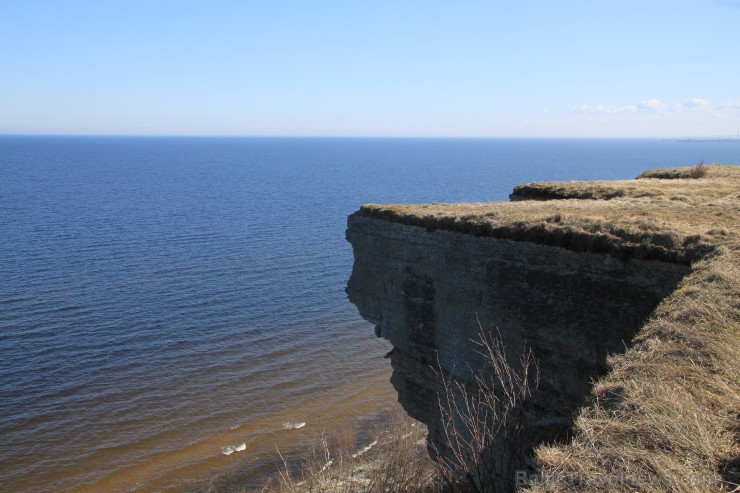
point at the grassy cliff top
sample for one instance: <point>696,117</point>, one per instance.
<point>672,219</point>
<point>666,415</point>
<point>711,182</point>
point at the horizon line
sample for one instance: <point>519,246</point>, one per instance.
<point>427,137</point>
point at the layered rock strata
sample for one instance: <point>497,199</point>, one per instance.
<point>430,293</point>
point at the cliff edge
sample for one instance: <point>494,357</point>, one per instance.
<point>624,295</point>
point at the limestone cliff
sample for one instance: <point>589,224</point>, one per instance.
<point>567,276</point>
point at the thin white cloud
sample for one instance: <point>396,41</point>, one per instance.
<point>605,109</point>
<point>651,105</point>
<point>658,107</point>
<point>697,103</point>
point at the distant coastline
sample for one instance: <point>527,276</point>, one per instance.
<point>704,139</point>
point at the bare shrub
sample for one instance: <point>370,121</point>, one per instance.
<point>401,462</point>
<point>698,171</point>
<point>483,423</point>
<point>312,472</point>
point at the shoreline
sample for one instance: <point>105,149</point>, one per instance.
<point>253,458</point>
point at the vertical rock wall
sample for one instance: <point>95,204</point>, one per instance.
<point>430,292</point>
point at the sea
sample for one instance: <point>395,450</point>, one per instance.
<point>172,309</point>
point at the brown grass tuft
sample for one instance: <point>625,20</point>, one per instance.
<point>698,171</point>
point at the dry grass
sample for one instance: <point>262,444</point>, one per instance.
<point>700,183</point>
<point>701,170</point>
<point>665,418</point>
<point>679,222</point>
<point>667,415</point>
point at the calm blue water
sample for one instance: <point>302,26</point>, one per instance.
<point>163,298</point>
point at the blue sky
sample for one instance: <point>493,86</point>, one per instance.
<point>371,68</point>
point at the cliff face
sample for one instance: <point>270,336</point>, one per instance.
<point>552,278</point>
<point>430,293</point>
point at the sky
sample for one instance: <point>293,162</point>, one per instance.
<point>455,68</point>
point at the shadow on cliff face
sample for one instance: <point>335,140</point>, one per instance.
<point>570,322</point>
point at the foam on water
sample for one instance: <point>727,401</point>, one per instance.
<point>234,448</point>
<point>327,465</point>
<point>293,426</point>
<point>364,450</point>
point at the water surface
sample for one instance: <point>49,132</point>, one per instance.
<point>163,299</point>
